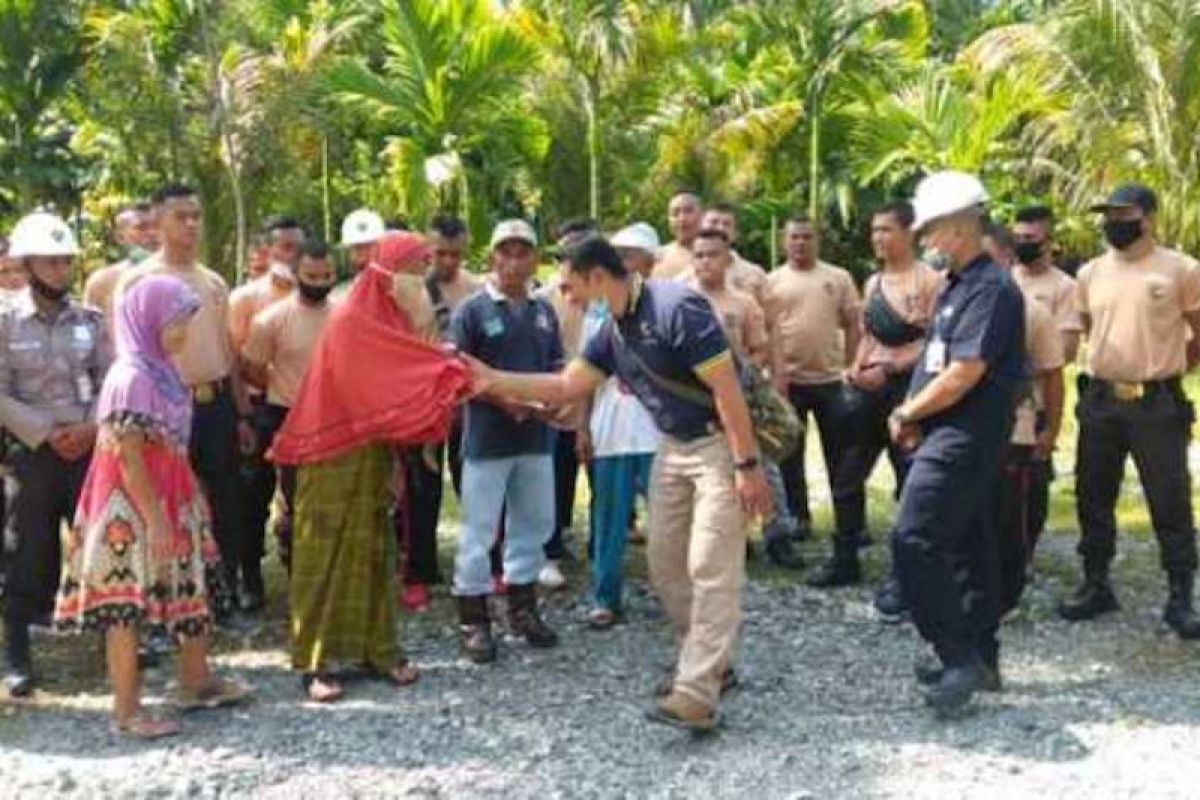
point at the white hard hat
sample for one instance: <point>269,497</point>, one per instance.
<point>362,226</point>
<point>945,193</point>
<point>42,234</point>
<point>638,236</point>
<point>513,230</point>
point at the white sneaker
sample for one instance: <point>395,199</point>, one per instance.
<point>551,577</point>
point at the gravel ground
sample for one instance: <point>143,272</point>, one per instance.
<point>827,709</point>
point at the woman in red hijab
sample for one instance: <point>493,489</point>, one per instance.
<point>374,383</point>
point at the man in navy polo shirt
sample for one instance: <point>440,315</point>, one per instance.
<point>507,463</point>
<point>958,416</point>
<point>707,477</point>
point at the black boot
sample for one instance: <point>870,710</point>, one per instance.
<point>955,687</point>
<point>254,595</point>
<point>18,673</point>
<point>475,630</point>
<point>781,552</point>
<point>1093,598</point>
<point>1179,612</point>
<point>524,619</point>
<point>842,569</point>
<point>890,602</point>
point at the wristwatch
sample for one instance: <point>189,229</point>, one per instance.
<point>746,464</point>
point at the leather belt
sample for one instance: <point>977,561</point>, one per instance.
<point>205,393</point>
<point>1134,391</point>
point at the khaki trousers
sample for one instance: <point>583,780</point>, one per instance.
<point>697,557</point>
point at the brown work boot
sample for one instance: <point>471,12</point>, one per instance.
<point>681,711</point>
<point>524,619</point>
<point>475,630</point>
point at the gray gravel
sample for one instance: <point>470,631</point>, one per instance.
<point>828,709</point>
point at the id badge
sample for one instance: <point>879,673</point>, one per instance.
<point>493,327</point>
<point>83,389</point>
<point>935,356</point>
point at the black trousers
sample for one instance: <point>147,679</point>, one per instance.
<point>1155,431</point>
<point>944,547</point>
<point>215,460</point>
<point>258,481</point>
<point>822,401</point>
<point>1014,513</point>
<point>566,479</point>
<point>865,437</point>
<point>41,492</point>
<point>285,523</point>
<point>422,511</point>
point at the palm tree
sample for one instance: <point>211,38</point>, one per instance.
<point>1129,70</point>
<point>445,98</point>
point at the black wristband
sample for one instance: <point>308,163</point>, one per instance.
<point>746,465</point>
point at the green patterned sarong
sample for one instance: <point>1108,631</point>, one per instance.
<point>343,598</point>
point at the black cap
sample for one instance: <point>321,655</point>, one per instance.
<point>1130,195</point>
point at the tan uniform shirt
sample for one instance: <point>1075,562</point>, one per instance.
<point>1044,346</point>
<point>743,321</point>
<point>208,356</point>
<point>748,277</point>
<point>674,262</point>
<point>570,316</point>
<point>51,367</point>
<point>913,297</point>
<point>1055,290</point>
<point>1136,308</point>
<point>100,286</point>
<point>282,339</point>
<point>807,311</point>
<point>248,301</point>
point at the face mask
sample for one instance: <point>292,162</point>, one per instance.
<point>936,259</point>
<point>1121,233</point>
<point>44,289</point>
<point>1028,252</point>
<point>599,307</point>
<point>137,255</point>
<point>313,292</point>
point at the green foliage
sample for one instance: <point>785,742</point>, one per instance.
<point>595,107</point>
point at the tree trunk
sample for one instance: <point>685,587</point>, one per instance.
<point>591,102</point>
<point>814,159</point>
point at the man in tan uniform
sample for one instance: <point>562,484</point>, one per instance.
<point>812,313</point>
<point>683,217</point>
<point>1040,280</point>
<point>137,233</point>
<point>744,275</point>
<point>221,427</point>
<point>1141,312</point>
<point>274,359</point>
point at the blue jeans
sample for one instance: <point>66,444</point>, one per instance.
<point>616,483</point>
<point>524,485</point>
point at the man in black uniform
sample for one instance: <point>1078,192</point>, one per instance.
<point>958,416</point>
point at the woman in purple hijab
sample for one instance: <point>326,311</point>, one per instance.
<point>141,549</point>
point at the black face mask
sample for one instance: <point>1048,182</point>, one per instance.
<point>1121,233</point>
<point>1028,252</point>
<point>47,292</point>
<point>314,293</point>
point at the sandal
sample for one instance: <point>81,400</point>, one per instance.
<point>321,688</point>
<point>217,693</point>
<point>144,727</point>
<point>401,675</point>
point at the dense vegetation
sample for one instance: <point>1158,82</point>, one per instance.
<point>557,108</point>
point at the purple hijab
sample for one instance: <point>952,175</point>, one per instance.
<point>143,380</point>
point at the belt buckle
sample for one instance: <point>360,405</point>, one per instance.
<point>1128,392</point>
<point>204,394</point>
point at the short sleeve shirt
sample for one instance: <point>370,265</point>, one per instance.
<point>670,330</point>
<point>1055,290</point>
<point>511,335</point>
<point>1044,346</point>
<point>675,262</point>
<point>748,277</point>
<point>1137,308</point>
<point>742,320</point>
<point>807,311</point>
<point>980,316</point>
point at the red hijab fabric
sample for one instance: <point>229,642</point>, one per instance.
<point>371,379</point>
